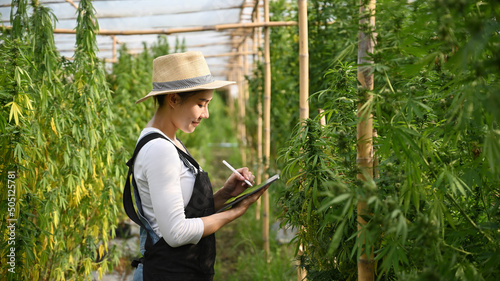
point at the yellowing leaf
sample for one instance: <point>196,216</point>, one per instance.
<point>77,195</point>
<point>95,231</point>
<point>101,250</point>
<point>51,237</point>
<point>53,125</point>
<point>101,272</point>
<point>87,266</point>
<point>15,111</point>
<point>56,219</point>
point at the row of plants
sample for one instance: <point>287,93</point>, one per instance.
<point>59,149</point>
<point>434,203</point>
<point>67,128</point>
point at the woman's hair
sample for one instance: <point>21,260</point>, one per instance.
<point>160,99</point>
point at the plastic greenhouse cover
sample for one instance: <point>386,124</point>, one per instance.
<point>118,15</point>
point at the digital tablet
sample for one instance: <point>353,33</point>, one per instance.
<point>248,192</point>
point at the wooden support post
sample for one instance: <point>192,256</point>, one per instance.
<point>245,68</point>
<point>72,4</point>
<point>376,174</point>
<point>246,72</point>
<point>259,152</point>
<point>241,107</point>
<point>303,60</point>
<point>322,120</point>
<point>179,30</point>
<point>303,89</point>
<point>260,168</point>
<point>267,128</point>
<point>114,48</point>
<point>230,98</point>
<point>366,44</point>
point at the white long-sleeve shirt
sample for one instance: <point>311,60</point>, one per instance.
<point>165,186</point>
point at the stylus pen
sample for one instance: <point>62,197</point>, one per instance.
<point>236,172</point>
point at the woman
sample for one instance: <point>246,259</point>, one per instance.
<point>173,194</point>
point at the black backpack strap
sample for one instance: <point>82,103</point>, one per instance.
<point>128,203</point>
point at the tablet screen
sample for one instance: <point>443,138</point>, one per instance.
<point>248,192</point>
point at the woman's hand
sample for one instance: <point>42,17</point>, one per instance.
<point>241,207</point>
<point>214,222</point>
<point>233,187</point>
<point>235,184</point>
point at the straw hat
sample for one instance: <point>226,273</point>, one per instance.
<point>182,72</point>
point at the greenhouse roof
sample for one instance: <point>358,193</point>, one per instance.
<point>213,27</point>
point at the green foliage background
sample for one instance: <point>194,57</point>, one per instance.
<point>59,139</point>
<point>67,127</point>
<point>435,205</point>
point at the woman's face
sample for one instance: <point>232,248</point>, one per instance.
<point>189,112</point>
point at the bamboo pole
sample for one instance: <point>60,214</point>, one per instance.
<point>114,47</point>
<point>376,172</point>
<point>232,54</point>
<point>169,31</point>
<point>258,40</point>
<point>322,120</point>
<point>303,91</point>
<point>72,4</point>
<point>245,68</point>
<point>245,5</point>
<point>241,107</point>
<point>366,44</point>
<point>259,153</point>
<point>230,99</point>
<point>303,60</point>
<point>248,137</point>
<point>267,128</point>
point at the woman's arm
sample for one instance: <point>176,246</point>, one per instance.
<point>162,168</point>
<point>162,173</point>
<point>220,197</point>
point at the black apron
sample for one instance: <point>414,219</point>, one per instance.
<point>187,262</point>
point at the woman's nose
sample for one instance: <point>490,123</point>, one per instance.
<point>205,113</point>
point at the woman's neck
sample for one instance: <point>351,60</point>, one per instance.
<point>162,121</point>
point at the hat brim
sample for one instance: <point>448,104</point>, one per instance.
<point>209,86</point>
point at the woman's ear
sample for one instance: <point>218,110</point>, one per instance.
<point>173,99</point>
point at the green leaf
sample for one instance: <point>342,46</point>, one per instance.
<point>337,237</point>
<point>492,150</point>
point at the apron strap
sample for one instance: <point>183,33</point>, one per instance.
<point>188,157</point>
<point>128,203</point>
